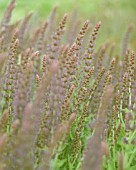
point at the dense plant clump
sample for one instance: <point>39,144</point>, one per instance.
<point>64,104</point>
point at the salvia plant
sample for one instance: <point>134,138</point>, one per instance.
<point>65,105</point>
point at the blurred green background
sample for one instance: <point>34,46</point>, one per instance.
<point>116,15</point>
